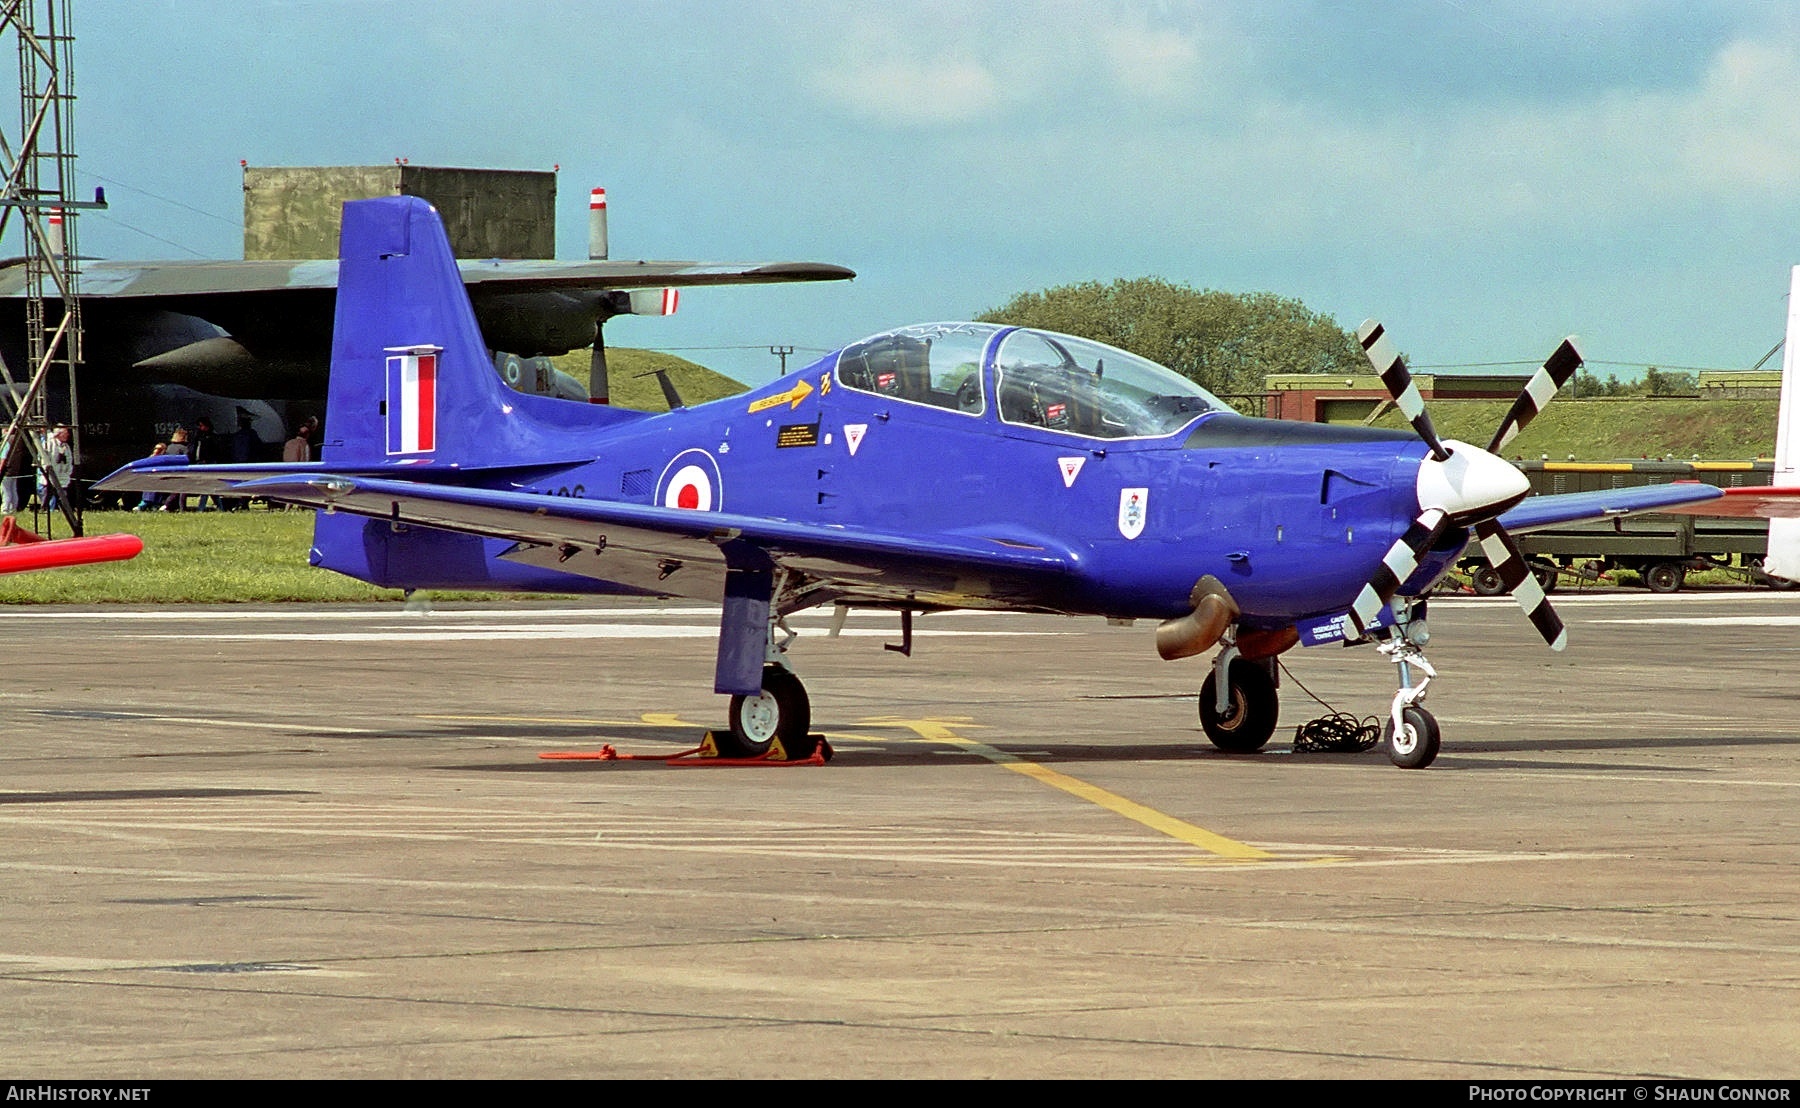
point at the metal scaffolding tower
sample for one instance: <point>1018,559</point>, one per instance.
<point>39,178</point>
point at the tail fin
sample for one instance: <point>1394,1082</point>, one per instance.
<point>1783,559</point>
<point>411,381</point>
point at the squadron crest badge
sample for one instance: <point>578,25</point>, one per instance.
<point>1133,509</point>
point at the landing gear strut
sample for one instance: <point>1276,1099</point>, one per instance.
<point>1238,703</point>
<point>782,711</point>
<point>1411,733</point>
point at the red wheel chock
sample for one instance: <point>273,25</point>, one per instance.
<point>705,755</point>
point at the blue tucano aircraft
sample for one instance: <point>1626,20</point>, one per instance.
<point>947,465</point>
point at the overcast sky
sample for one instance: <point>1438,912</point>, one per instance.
<point>1485,176</point>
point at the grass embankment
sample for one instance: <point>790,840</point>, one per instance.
<point>1616,429</point>
<point>631,378</point>
<point>249,556</point>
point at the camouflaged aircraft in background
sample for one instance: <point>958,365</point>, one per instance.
<point>166,342</point>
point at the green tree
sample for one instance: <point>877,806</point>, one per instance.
<point>1662,382</point>
<point>1226,342</point>
<point>1589,385</point>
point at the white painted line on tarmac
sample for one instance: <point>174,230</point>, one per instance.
<point>556,631</point>
<point>1709,621</point>
<point>185,613</point>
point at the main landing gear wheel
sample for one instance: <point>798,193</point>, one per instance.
<point>781,712</point>
<point>1415,745</point>
<point>1249,716</point>
<point>1486,580</point>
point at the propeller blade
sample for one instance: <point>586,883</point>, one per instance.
<point>1508,560</point>
<point>1538,392</point>
<point>1399,382</point>
<point>599,386</point>
<point>1399,563</point>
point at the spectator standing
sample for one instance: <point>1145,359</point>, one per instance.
<point>204,448</point>
<point>12,476</point>
<point>245,446</point>
<point>58,463</point>
<point>299,448</point>
<point>178,447</point>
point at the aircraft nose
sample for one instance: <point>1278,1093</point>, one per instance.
<point>1471,484</point>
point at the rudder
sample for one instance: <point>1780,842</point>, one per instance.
<point>411,382</point>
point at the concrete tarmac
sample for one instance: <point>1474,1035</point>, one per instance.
<point>320,842</point>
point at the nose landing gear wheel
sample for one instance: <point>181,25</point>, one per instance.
<point>781,712</point>
<point>1415,745</point>
<point>1249,716</point>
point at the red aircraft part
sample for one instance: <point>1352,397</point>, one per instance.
<point>34,553</point>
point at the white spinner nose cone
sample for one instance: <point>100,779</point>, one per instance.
<point>1471,484</point>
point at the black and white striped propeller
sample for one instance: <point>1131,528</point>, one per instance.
<point>1464,486</point>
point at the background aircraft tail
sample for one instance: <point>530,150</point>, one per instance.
<point>1783,559</point>
<point>411,379</point>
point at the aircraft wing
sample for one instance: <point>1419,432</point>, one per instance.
<point>648,547</point>
<point>1537,512</point>
<point>535,276</point>
<point>186,319</point>
<point>173,280</point>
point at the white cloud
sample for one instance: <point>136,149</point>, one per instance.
<point>1151,63</point>
<point>932,63</point>
<point>897,93</point>
<point>1740,131</point>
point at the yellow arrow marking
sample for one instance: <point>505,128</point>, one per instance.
<point>937,731</point>
<point>791,397</point>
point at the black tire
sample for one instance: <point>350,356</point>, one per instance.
<point>1250,714</point>
<point>1664,577</point>
<point>1546,578</point>
<point>1486,581</point>
<point>781,712</point>
<point>1761,577</point>
<point>1417,746</point>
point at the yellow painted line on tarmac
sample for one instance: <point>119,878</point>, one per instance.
<point>933,730</point>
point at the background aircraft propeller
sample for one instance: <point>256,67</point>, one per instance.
<point>1466,487</point>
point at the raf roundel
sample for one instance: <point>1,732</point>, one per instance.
<point>691,481</point>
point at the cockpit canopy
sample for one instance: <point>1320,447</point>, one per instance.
<point>1040,379</point>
